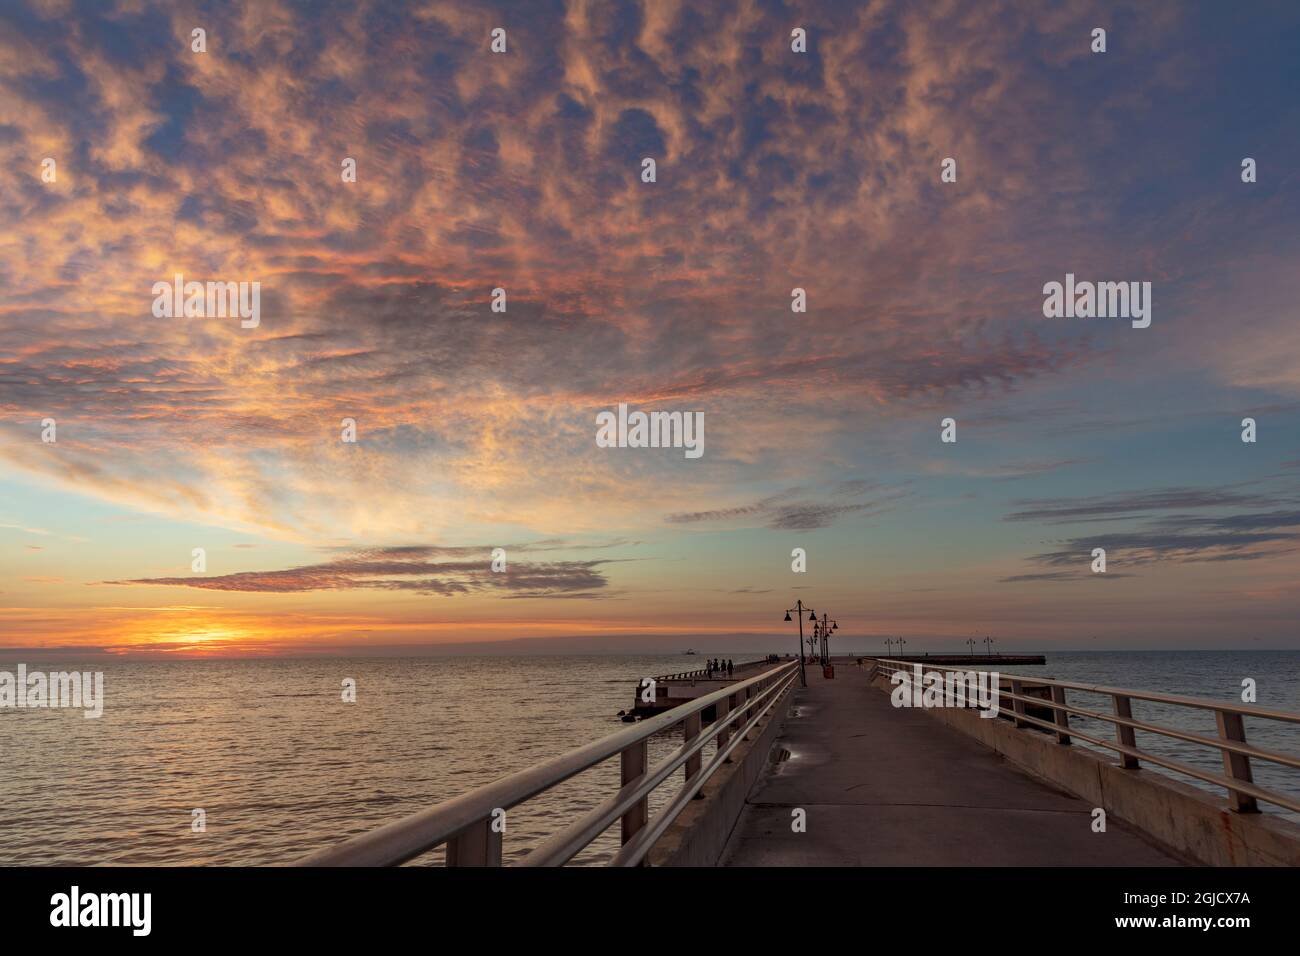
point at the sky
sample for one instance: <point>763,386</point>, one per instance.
<point>476,429</point>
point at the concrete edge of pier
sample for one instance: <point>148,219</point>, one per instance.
<point>1187,820</point>
<point>700,833</point>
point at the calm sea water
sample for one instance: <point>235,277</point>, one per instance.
<point>281,766</point>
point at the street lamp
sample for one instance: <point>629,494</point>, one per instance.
<point>798,609</point>
<point>827,627</point>
<point>970,642</point>
<point>814,639</point>
<point>901,642</point>
<point>988,646</point>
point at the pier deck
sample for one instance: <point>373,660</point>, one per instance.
<point>894,787</point>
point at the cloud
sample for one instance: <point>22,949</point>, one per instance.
<point>1177,538</point>
<point>404,569</point>
<point>476,171</point>
<point>1084,575</point>
<point>792,510</point>
<point>1141,547</point>
<point>1125,505</point>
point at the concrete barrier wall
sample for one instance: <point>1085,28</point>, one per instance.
<point>1188,820</point>
<point>698,835</point>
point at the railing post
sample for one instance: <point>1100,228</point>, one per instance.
<point>1018,706</point>
<point>479,845</point>
<point>1237,766</point>
<point>691,730</point>
<point>1124,734</point>
<point>723,709</point>
<point>633,766</point>
<point>1062,718</point>
<point>744,705</point>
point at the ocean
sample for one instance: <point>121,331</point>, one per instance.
<point>281,766</point>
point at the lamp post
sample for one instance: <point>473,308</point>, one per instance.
<point>970,642</point>
<point>988,646</point>
<point>889,642</point>
<point>812,616</point>
<point>901,642</point>
<point>827,627</point>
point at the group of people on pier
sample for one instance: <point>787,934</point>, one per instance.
<point>718,666</point>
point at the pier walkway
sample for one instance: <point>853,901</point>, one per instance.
<point>894,787</point>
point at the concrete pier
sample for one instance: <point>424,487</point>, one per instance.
<point>833,774</point>
<point>893,787</point>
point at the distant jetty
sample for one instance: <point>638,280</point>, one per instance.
<point>955,659</point>
<point>654,695</point>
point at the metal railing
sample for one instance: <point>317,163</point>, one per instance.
<point>1243,792</point>
<point>466,823</point>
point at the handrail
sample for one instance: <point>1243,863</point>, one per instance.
<point>465,822</point>
<point>566,844</point>
<point>636,848</point>
<point>1243,792</point>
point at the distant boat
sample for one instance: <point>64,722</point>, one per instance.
<point>689,651</point>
